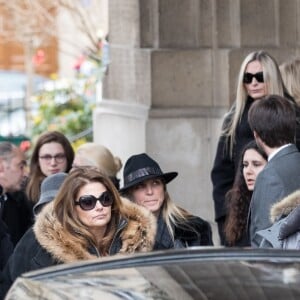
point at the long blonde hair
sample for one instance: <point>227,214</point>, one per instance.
<point>99,156</point>
<point>290,72</point>
<point>274,85</point>
<point>92,154</point>
<point>174,216</point>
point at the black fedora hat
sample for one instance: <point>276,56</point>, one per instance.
<point>141,167</point>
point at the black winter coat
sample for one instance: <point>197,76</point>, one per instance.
<point>225,166</point>
<point>6,245</point>
<point>17,215</point>
<point>196,232</point>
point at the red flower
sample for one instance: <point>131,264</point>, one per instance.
<point>25,145</point>
<point>79,62</point>
<point>39,57</point>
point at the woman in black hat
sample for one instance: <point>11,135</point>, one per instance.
<point>145,184</point>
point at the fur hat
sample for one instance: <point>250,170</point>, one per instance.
<point>49,188</point>
<point>141,167</point>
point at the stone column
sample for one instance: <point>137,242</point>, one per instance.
<point>172,76</point>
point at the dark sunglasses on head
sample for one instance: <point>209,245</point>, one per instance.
<point>248,77</point>
<point>88,202</point>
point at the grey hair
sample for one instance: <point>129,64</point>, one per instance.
<point>6,149</point>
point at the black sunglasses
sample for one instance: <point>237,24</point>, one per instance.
<point>248,77</point>
<point>88,202</point>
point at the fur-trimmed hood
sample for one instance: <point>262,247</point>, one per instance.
<point>137,233</point>
<point>285,206</point>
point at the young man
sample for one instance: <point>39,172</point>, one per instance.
<point>273,122</point>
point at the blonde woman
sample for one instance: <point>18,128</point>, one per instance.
<point>290,72</point>
<point>145,184</point>
<point>92,154</point>
<point>259,76</point>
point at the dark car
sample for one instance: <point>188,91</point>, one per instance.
<point>195,273</point>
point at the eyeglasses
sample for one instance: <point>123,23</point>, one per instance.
<point>88,202</point>
<point>248,77</point>
<point>59,158</point>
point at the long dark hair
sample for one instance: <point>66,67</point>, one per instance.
<point>36,176</point>
<point>238,200</point>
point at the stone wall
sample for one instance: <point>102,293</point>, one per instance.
<point>172,76</point>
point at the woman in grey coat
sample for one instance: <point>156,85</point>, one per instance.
<point>285,231</point>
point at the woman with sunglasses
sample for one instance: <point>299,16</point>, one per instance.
<point>259,76</point>
<point>290,72</point>
<point>87,219</point>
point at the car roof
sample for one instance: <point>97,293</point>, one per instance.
<point>194,273</point>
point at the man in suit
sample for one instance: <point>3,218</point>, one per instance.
<point>273,122</point>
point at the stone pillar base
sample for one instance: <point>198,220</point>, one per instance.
<point>121,127</point>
